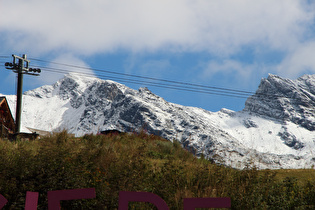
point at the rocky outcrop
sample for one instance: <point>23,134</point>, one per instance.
<point>285,100</point>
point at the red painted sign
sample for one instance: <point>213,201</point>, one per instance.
<point>54,198</point>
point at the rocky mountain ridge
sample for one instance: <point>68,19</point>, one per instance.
<point>285,100</point>
<point>275,129</point>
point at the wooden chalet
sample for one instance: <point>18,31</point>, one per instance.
<point>7,125</point>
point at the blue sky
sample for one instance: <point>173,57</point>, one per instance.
<point>219,43</point>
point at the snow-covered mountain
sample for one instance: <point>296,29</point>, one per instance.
<point>276,129</point>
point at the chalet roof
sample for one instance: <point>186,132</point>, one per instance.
<point>7,121</point>
<point>4,100</point>
<point>1,99</point>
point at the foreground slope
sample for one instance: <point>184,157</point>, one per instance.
<point>142,163</point>
<point>274,130</point>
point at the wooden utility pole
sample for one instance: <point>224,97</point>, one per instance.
<point>21,67</point>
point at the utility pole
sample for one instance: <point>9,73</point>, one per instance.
<point>20,67</point>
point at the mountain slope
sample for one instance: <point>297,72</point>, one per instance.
<point>271,132</point>
<point>286,100</point>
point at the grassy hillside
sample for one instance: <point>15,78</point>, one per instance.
<point>301,175</point>
<point>140,162</point>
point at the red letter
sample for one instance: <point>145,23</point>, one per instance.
<point>126,197</point>
<point>54,197</point>
<point>31,200</point>
<point>192,203</point>
<point>3,201</point>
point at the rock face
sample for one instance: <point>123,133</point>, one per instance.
<point>286,100</point>
<point>275,130</point>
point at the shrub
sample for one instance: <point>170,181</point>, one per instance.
<point>138,162</point>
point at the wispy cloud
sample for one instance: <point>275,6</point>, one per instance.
<point>220,28</point>
<point>300,60</point>
<point>55,70</point>
<point>242,73</point>
<point>85,27</point>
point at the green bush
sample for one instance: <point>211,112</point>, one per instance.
<point>138,162</point>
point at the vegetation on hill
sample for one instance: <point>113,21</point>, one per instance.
<point>138,162</point>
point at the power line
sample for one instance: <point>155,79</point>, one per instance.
<point>174,87</point>
<point>177,86</point>
<point>170,84</point>
<point>154,84</point>
<point>145,77</point>
<point>161,83</point>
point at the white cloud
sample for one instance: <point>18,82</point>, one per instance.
<point>56,69</point>
<point>221,28</point>
<point>241,71</point>
<point>87,27</point>
<point>154,66</point>
<point>299,61</point>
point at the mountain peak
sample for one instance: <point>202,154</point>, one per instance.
<point>285,99</point>
<point>276,128</point>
